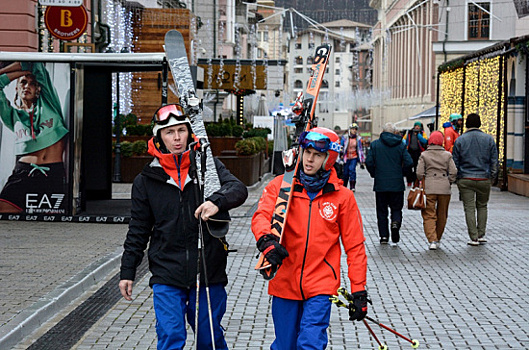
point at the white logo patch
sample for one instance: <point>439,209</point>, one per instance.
<point>328,211</point>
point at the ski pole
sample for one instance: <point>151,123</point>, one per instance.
<point>335,300</point>
<point>342,291</point>
<point>203,147</point>
<point>380,345</point>
<point>414,342</point>
<point>199,199</point>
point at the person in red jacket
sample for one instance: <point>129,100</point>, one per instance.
<point>451,131</point>
<point>322,211</point>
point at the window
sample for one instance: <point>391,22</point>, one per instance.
<point>337,71</point>
<point>265,36</point>
<point>311,45</point>
<point>337,59</point>
<point>310,60</point>
<point>478,21</point>
<point>297,46</point>
<point>298,84</point>
<point>298,70</point>
<point>337,83</point>
<point>324,84</point>
<point>299,60</point>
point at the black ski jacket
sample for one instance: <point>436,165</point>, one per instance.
<point>164,214</point>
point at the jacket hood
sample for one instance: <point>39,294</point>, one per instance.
<point>390,139</point>
<point>447,125</point>
<point>176,166</point>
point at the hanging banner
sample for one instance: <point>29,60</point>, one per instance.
<point>66,23</point>
<point>34,110</point>
<point>66,3</point>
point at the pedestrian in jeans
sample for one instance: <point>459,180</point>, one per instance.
<point>353,154</point>
<point>165,213</point>
<point>387,161</point>
<point>476,158</point>
<point>322,212</point>
<point>439,171</point>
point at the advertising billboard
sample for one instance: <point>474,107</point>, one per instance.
<point>34,123</point>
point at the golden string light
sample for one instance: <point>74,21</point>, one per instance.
<point>484,95</point>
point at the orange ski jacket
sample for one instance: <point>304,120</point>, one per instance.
<point>311,236</point>
<point>450,137</point>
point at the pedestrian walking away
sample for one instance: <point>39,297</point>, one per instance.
<point>451,129</point>
<point>416,142</point>
<point>476,158</point>
<point>437,168</point>
<point>353,154</point>
<point>387,162</point>
<point>321,212</point>
<point>165,214</point>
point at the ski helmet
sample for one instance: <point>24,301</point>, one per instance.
<point>353,126</point>
<point>455,116</point>
<point>322,140</point>
<point>169,115</point>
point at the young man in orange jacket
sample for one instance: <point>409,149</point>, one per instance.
<point>321,212</point>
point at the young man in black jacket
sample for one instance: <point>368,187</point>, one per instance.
<point>165,212</point>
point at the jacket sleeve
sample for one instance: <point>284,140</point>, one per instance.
<point>370,161</point>
<point>452,170</point>
<point>407,162</point>
<point>352,234</point>
<point>140,230</point>
<point>493,159</point>
<point>421,167</point>
<point>455,153</point>
<point>232,192</point>
<point>423,139</point>
<point>261,220</point>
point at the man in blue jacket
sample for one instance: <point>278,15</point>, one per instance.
<point>476,158</point>
<point>387,161</point>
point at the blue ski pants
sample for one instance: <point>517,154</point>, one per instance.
<point>172,305</point>
<point>349,170</point>
<point>301,324</point>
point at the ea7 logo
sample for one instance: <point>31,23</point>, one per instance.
<point>53,201</point>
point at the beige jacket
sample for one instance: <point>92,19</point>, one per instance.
<point>439,170</point>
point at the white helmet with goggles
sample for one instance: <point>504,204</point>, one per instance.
<point>169,115</point>
<point>322,140</point>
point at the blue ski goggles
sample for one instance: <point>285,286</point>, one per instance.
<point>319,142</point>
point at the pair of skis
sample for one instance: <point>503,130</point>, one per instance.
<point>304,109</point>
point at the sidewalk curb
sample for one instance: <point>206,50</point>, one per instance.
<point>33,317</point>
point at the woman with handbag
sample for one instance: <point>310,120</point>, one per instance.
<point>439,172</point>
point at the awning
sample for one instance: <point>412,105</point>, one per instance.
<point>429,113</point>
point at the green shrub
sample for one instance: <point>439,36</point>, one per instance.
<point>246,147</point>
<point>213,129</point>
<point>270,148</point>
<point>139,147</point>
<point>126,148</point>
<point>260,143</point>
<point>131,119</point>
<point>262,132</point>
<point>225,129</point>
<point>237,130</point>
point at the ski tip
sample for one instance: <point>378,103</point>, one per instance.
<point>172,34</point>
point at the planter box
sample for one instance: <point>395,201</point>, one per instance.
<point>219,144</point>
<point>519,184</point>
<point>132,166</point>
<point>245,168</point>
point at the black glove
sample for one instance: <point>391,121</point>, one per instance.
<point>272,250</point>
<point>362,166</point>
<point>358,309</point>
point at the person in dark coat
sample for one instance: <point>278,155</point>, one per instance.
<point>164,214</point>
<point>386,162</point>
<point>416,142</point>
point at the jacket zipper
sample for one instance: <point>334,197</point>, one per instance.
<point>305,253</point>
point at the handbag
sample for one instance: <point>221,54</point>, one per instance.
<point>417,197</point>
